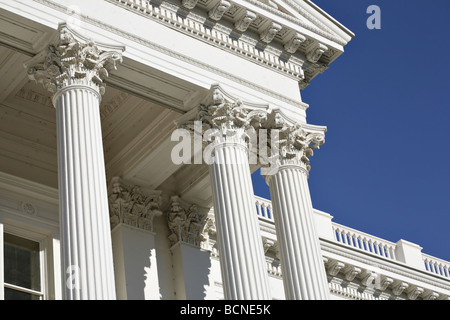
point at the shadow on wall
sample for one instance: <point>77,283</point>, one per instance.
<point>191,268</point>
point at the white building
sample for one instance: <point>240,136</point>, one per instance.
<point>96,98</point>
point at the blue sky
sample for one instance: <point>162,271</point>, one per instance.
<point>384,168</point>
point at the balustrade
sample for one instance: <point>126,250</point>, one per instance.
<point>362,241</point>
<point>436,266</point>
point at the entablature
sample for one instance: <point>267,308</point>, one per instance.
<point>363,276</point>
<point>282,36</point>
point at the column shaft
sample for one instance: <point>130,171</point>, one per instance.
<point>242,260</point>
<point>84,215</point>
<point>301,258</point>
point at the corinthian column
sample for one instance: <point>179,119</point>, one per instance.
<point>242,260</point>
<point>303,270</point>
<point>73,71</point>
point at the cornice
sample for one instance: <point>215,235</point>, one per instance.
<point>318,26</point>
<point>394,267</point>
<point>173,54</point>
<point>221,35</point>
<point>224,31</point>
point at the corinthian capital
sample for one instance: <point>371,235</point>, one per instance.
<point>224,115</point>
<point>292,144</point>
<point>130,205</point>
<point>71,61</point>
<point>186,222</point>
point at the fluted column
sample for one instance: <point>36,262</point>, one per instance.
<point>73,70</point>
<point>303,270</point>
<point>242,260</point>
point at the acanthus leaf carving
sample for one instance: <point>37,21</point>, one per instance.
<point>244,21</point>
<point>269,32</point>
<point>186,222</point>
<point>189,4</point>
<point>351,272</point>
<point>315,52</point>
<point>294,43</point>
<point>72,61</point>
<point>131,206</point>
<point>399,287</point>
<point>219,10</point>
<point>291,143</point>
<point>334,267</point>
<point>226,120</point>
<point>415,292</point>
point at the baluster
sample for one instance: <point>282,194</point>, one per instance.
<point>335,234</point>
<point>350,239</point>
<point>358,242</point>
<point>371,246</point>
<point>427,265</point>
<point>433,267</point>
<point>339,235</point>
<point>378,248</point>
<point>365,244</point>
<point>265,210</point>
<point>345,237</point>
<point>394,257</point>
<point>258,208</point>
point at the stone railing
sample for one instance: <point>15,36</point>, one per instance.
<point>401,251</point>
<point>264,208</point>
<point>436,266</point>
<point>363,241</point>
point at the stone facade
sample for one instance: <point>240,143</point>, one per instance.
<point>91,95</point>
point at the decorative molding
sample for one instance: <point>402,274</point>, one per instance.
<point>209,232</point>
<point>220,35</point>
<point>376,262</point>
<point>368,278</point>
<point>181,57</point>
<point>316,25</point>
<point>430,295</point>
<point>269,32</point>
<point>108,107</point>
<point>398,287</point>
<point>351,272</point>
<point>72,61</point>
<point>244,21</point>
<point>414,292</point>
<point>315,52</point>
<point>219,9</point>
<point>186,222</point>
<point>35,97</point>
<point>189,4</point>
<point>130,205</point>
<point>28,208</point>
<point>334,267</point>
<point>294,143</point>
<point>294,43</point>
<point>385,282</point>
<point>272,246</point>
